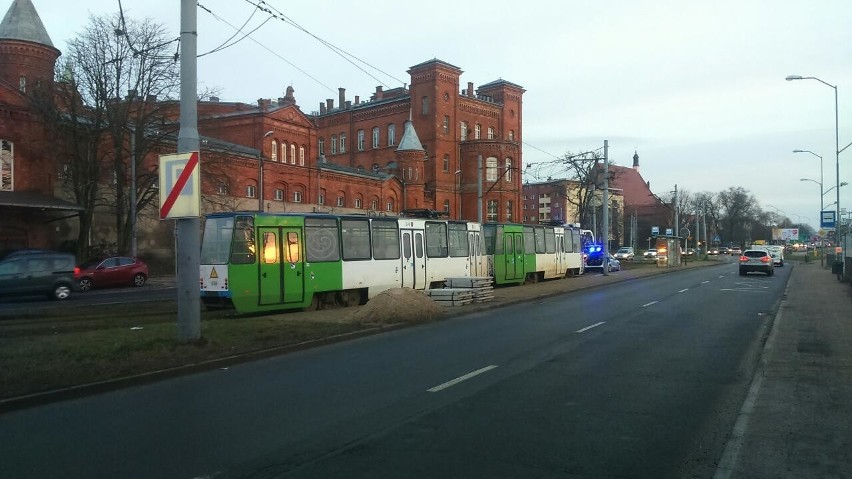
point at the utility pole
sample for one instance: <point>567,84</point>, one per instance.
<point>479,188</point>
<point>676,214</point>
<point>188,241</point>
<point>606,209</point>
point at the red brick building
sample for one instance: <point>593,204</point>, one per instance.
<point>430,144</point>
<point>424,146</point>
<point>29,208</point>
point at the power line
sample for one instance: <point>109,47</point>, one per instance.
<point>278,15</point>
<point>225,44</point>
<point>217,17</point>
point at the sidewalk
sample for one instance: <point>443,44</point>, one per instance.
<point>797,419</point>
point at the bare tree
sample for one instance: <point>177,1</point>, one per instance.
<point>739,208</point>
<point>587,170</point>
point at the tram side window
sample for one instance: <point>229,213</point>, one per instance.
<point>458,241</point>
<point>321,240</point>
<point>549,240</point>
<point>436,240</point>
<point>489,236</point>
<point>216,242</point>
<point>385,239</point>
<point>244,249</point>
<point>576,245</point>
<point>539,240</point>
<point>529,240</point>
<point>356,239</point>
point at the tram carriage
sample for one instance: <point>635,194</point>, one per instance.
<point>265,262</point>
<point>525,253</point>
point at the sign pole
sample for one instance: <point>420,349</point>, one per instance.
<point>188,241</point>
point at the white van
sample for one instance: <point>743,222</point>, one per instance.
<point>777,253</point>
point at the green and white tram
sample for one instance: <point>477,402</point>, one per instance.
<point>525,253</point>
<point>266,262</point>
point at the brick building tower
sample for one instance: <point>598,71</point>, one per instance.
<point>28,172</point>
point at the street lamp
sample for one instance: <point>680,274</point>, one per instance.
<point>821,178</point>
<point>836,142</point>
<point>260,173</point>
<point>842,184</point>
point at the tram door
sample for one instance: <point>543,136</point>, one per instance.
<point>413,259</point>
<point>475,255</point>
<point>513,251</point>
<point>281,269</point>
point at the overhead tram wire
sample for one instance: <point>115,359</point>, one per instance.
<point>278,15</point>
<point>123,32</point>
<point>217,17</point>
<point>226,43</point>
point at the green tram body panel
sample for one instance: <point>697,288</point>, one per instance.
<point>505,246</point>
<point>269,285</point>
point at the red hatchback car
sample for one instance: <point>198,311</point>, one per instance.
<point>113,271</point>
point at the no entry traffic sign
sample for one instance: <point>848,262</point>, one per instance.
<point>180,188</point>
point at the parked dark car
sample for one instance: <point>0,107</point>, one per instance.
<point>112,271</point>
<point>37,272</point>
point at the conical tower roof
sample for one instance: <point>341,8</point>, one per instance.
<point>23,23</point>
<point>409,141</point>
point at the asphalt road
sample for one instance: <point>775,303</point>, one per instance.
<point>10,306</point>
<point>635,379</point>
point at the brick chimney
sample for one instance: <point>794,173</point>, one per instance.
<point>470,89</point>
<point>329,104</point>
<point>341,94</point>
<point>322,108</point>
<point>379,93</point>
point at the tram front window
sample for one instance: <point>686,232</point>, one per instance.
<point>216,242</point>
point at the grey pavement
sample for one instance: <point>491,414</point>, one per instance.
<point>797,419</point>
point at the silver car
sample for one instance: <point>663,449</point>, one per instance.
<point>756,260</point>
<point>625,253</point>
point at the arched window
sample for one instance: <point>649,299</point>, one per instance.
<point>342,143</point>
<point>463,131</point>
<point>284,149</point>
<point>511,135</point>
<point>302,155</point>
<point>361,140</point>
<point>446,206</point>
<point>293,154</point>
<point>274,151</point>
<point>321,146</point>
<point>375,137</point>
<point>391,134</point>
<point>333,144</point>
<point>490,132</point>
<point>424,105</point>
<point>477,131</point>
<point>508,170</point>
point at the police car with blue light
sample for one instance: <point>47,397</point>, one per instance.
<point>595,258</point>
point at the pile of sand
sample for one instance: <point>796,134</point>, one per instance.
<point>397,305</point>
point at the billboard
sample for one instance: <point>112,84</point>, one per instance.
<point>785,234</point>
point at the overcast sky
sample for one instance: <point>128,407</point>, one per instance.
<point>696,87</point>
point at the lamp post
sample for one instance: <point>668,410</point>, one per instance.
<point>836,145</point>
<point>260,173</point>
<point>821,192</point>
<point>821,177</point>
